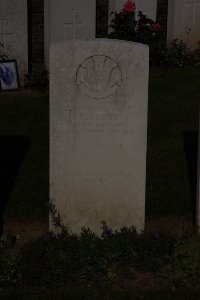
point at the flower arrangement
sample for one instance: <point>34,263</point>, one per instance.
<point>129,6</point>
<point>126,27</point>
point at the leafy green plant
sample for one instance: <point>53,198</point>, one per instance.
<point>88,260</point>
<point>54,214</point>
<point>184,265</point>
<point>9,274</point>
<point>178,54</point>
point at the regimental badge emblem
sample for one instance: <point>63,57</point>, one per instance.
<point>99,77</point>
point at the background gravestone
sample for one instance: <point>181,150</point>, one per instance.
<point>60,17</point>
<point>14,32</point>
<point>184,15</point>
<point>98,132</point>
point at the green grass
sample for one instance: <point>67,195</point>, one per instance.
<point>173,109</point>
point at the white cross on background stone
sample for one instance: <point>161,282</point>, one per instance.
<point>76,21</point>
<point>4,32</point>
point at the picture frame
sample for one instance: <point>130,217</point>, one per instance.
<point>9,75</point>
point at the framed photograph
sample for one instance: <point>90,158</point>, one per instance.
<point>9,76</point>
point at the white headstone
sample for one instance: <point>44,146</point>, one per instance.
<point>14,32</point>
<point>98,132</point>
<point>184,21</point>
<point>68,20</point>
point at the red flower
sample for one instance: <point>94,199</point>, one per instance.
<point>156,27</point>
<point>129,6</point>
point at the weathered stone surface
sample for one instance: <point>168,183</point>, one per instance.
<point>183,21</point>
<point>98,132</point>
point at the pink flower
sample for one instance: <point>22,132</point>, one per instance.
<point>129,6</point>
<point>156,27</point>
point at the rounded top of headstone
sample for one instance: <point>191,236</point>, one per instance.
<point>102,40</point>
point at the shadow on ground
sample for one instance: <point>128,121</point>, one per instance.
<point>190,139</point>
<point>12,153</point>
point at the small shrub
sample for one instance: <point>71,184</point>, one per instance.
<point>178,54</point>
<point>9,274</point>
<point>184,265</point>
<point>86,260</point>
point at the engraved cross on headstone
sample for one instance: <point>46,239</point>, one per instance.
<point>76,21</point>
<point>4,32</point>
